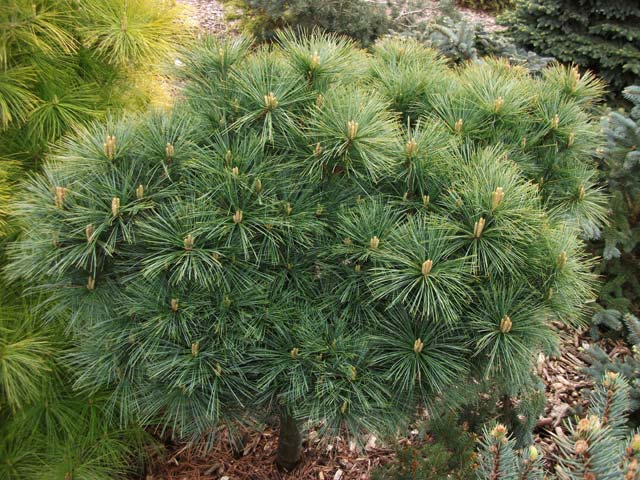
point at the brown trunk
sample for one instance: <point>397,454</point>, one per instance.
<point>289,442</point>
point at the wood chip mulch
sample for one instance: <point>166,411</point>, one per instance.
<point>565,381</point>
<point>336,461</point>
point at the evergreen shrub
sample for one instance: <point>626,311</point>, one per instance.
<point>599,35</point>
<point>48,431</point>
<point>318,233</point>
<point>620,243</point>
<point>64,63</point>
<point>443,449</point>
<point>361,20</point>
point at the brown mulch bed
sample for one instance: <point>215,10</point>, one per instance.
<point>338,460</point>
<point>207,14</point>
<point>564,379</point>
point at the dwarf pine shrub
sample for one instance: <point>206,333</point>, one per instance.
<point>64,63</point>
<point>361,20</point>
<point>49,431</point>
<point>319,233</point>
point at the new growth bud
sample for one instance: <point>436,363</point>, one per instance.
<point>588,424</point>
<point>555,122</point>
<point>418,345</point>
<point>270,102</point>
<point>237,216</point>
<point>344,408</point>
<point>478,227</point>
<point>174,305</point>
<point>352,129</point>
<point>294,352</point>
<point>228,157</point>
<point>581,193</point>
<point>458,126</point>
<point>258,185</point>
<point>498,104</point>
<point>188,242</point>
<point>319,100</point>
<point>89,231</point>
<point>169,150</point>
<point>109,147</point>
<point>195,348</point>
<point>533,454</point>
<point>235,171</point>
<point>315,61</point>
<point>581,446</point>
<point>61,192</point>
<point>91,283</point>
<point>506,324</point>
<point>498,432</point>
<point>572,139</point>
<point>411,147</point>
<point>427,265</point>
<point>140,192</point>
<point>562,259</point>
<point>318,150</point>
<point>288,208</point>
<point>374,243</point>
<point>115,206</point>
<point>496,197</point>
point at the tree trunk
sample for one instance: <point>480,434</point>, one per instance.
<point>289,442</point>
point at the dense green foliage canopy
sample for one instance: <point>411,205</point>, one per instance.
<point>600,35</point>
<point>64,63</point>
<point>339,235</point>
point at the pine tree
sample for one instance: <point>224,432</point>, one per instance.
<point>318,233</point>
<point>598,35</point>
<point>64,63</point>
<point>47,430</point>
<point>619,247</point>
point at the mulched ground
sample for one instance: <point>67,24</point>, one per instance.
<point>208,15</point>
<point>565,381</point>
<point>321,461</point>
